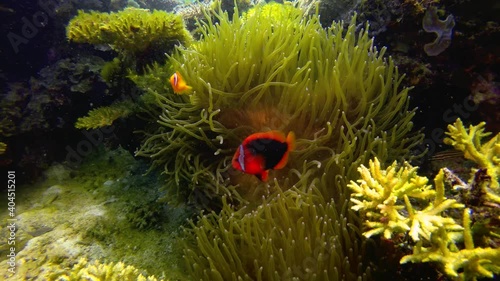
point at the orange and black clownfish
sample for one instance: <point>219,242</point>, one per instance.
<point>260,152</point>
<point>178,84</point>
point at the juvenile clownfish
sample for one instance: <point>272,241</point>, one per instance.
<point>178,84</point>
<point>260,152</point>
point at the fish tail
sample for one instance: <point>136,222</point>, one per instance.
<point>263,176</point>
<point>290,140</point>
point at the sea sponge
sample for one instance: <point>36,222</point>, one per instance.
<point>442,29</point>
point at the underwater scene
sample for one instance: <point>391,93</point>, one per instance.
<point>223,140</point>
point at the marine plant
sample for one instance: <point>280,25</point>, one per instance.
<point>384,194</point>
<point>331,87</point>
<point>396,200</point>
<point>139,36</point>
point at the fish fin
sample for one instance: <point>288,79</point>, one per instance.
<point>264,176</point>
<point>236,163</point>
<point>290,140</point>
<point>274,135</point>
<point>282,162</point>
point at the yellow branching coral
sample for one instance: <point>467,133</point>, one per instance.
<point>97,271</point>
<point>466,264</point>
<point>486,155</point>
<point>131,30</point>
<point>105,116</point>
<point>384,199</point>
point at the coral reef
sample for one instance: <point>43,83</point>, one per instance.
<point>396,200</point>
<point>471,262</point>
<point>442,29</point>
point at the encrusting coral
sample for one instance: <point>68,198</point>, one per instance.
<point>386,198</point>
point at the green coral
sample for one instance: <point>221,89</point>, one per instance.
<point>486,155</point>
<point>97,271</point>
<point>131,30</point>
<point>105,115</point>
<point>384,199</point>
<point>465,264</point>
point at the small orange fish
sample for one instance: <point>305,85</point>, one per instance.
<point>261,152</point>
<point>178,84</point>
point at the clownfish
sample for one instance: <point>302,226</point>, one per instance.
<point>178,84</point>
<point>261,152</point>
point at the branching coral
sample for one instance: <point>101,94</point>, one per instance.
<point>379,195</point>
<point>471,262</point>
<point>486,155</point>
<point>84,270</point>
<point>105,116</point>
<point>386,194</point>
